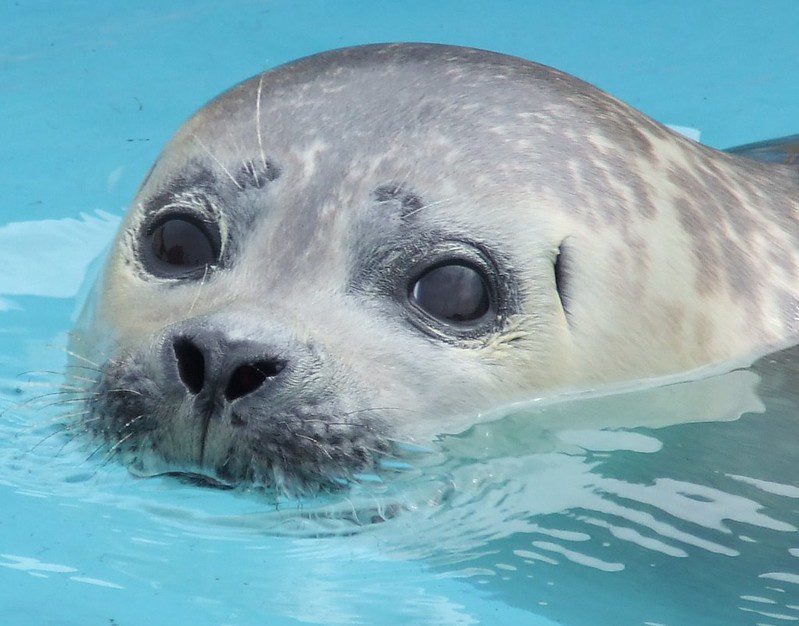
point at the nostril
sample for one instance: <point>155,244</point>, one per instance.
<point>191,365</point>
<point>247,378</point>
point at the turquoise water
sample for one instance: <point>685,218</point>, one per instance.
<point>678,505</point>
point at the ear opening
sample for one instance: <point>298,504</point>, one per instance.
<point>562,283</point>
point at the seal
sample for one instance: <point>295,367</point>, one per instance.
<point>372,244</point>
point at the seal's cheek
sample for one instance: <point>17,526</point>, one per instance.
<point>137,309</point>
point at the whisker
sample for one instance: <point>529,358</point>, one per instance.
<point>35,372</point>
<point>31,402</point>
<point>254,173</point>
<point>66,375</point>
<point>81,357</point>
<point>258,119</point>
<point>72,388</point>
<point>111,451</point>
<point>83,367</point>
<point>124,390</point>
<point>71,436</point>
<point>39,384</point>
<point>92,381</point>
<point>84,398</point>
<point>67,401</point>
<point>315,442</point>
<point>134,420</point>
<point>199,291</point>
<point>218,162</point>
<point>56,393</point>
<point>76,429</point>
<point>46,437</point>
<point>96,450</point>
<point>59,418</point>
<point>429,205</point>
<point>237,145</point>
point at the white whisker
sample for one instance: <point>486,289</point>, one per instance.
<point>199,291</point>
<point>217,161</point>
<point>258,120</point>
<point>429,205</point>
<point>81,357</point>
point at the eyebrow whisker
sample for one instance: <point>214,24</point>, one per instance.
<point>218,162</point>
<point>429,205</point>
<point>258,120</point>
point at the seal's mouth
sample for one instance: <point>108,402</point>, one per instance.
<point>289,460</point>
<point>198,480</point>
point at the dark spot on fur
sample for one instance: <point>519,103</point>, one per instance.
<point>236,420</point>
<point>256,173</point>
<point>703,249</point>
<point>395,193</point>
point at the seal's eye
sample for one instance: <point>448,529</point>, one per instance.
<point>178,246</point>
<point>452,293</point>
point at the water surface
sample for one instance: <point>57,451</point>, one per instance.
<point>675,505</point>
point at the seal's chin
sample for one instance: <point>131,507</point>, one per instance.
<point>287,472</point>
<point>288,463</point>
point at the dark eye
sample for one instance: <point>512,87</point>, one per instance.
<point>452,293</point>
<point>179,246</point>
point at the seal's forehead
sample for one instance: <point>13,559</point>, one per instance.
<point>449,121</point>
<point>416,106</point>
<point>386,90</point>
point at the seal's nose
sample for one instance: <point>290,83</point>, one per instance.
<point>207,360</point>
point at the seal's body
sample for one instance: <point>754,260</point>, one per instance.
<point>353,248</point>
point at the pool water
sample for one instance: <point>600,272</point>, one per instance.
<point>670,504</point>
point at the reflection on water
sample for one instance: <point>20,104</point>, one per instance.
<point>676,504</point>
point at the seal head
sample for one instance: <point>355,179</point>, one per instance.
<point>375,244</point>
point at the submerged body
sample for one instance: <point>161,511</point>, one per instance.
<point>360,246</point>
